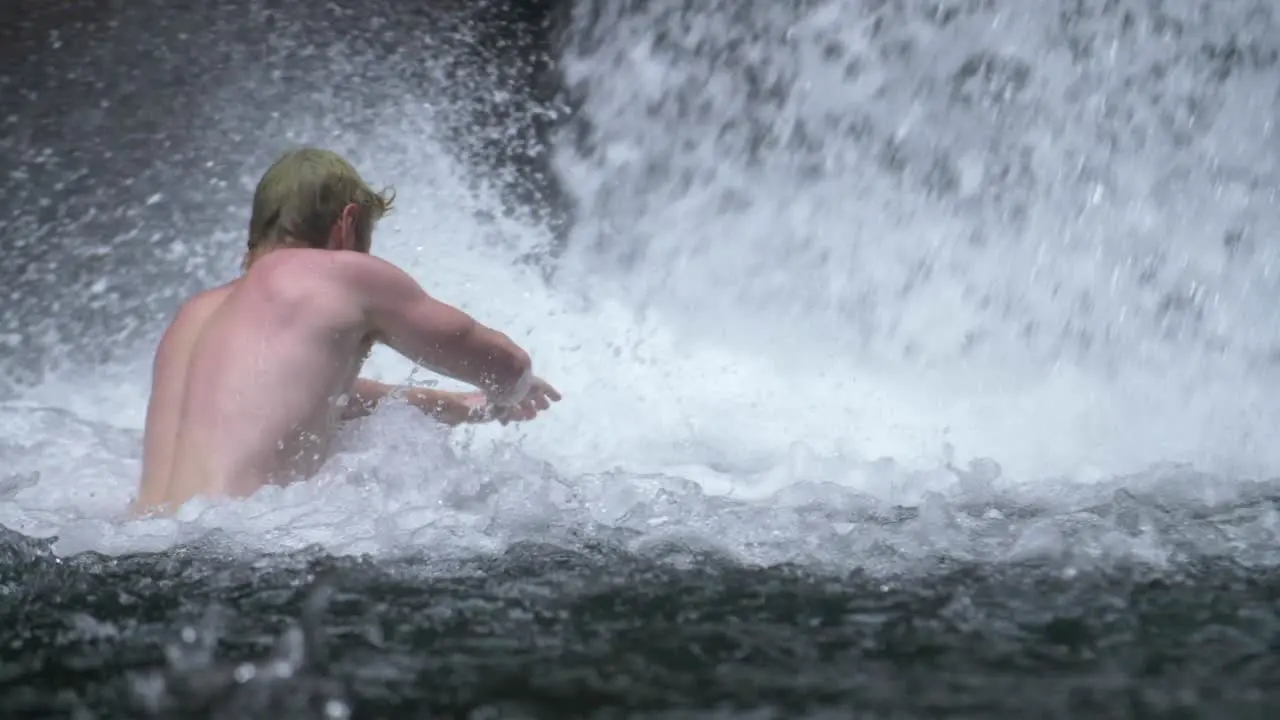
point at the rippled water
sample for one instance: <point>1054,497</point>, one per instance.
<point>918,359</point>
<point>542,631</point>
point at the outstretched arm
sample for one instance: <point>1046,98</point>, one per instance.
<point>434,334</point>
<point>450,408</point>
<point>364,397</point>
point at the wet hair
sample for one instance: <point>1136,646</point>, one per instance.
<point>302,195</point>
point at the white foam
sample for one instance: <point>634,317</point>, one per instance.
<point>785,361</point>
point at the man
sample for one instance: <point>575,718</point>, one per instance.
<point>252,379</point>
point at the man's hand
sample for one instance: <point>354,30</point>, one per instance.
<point>459,408</point>
<point>539,398</point>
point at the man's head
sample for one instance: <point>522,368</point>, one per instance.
<point>314,198</point>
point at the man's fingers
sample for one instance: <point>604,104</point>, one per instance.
<point>544,389</point>
<point>539,399</point>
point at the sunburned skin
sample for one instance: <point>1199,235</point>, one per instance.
<point>252,380</point>
<point>249,384</point>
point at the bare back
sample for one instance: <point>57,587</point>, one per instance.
<point>247,381</point>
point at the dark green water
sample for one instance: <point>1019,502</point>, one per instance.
<point>545,632</point>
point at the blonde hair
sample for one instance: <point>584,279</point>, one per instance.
<point>302,195</point>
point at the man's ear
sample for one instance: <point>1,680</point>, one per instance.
<point>347,238</point>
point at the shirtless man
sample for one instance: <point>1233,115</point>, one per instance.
<point>252,379</point>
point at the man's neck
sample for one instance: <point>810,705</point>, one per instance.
<point>254,256</point>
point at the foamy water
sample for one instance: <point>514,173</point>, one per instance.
<point>830,268</point>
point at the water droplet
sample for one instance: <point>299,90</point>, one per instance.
<point>336,710</point>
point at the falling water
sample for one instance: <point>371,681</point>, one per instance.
<point>868,288</point>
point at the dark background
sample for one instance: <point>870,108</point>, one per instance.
<point>100,102</point>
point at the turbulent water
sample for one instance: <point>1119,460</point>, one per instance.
<point>918,358</point>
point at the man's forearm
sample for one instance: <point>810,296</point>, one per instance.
<point>364,397</point>
<point>446,407</point>
<point>495,364</point>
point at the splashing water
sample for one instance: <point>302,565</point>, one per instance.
<point>1028,223</point>
<point>852,283</point>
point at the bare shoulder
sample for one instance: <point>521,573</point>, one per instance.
<point>196,310</point>
<point>298,268</point>
<point>189,321</point>
<point>204,303</point>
